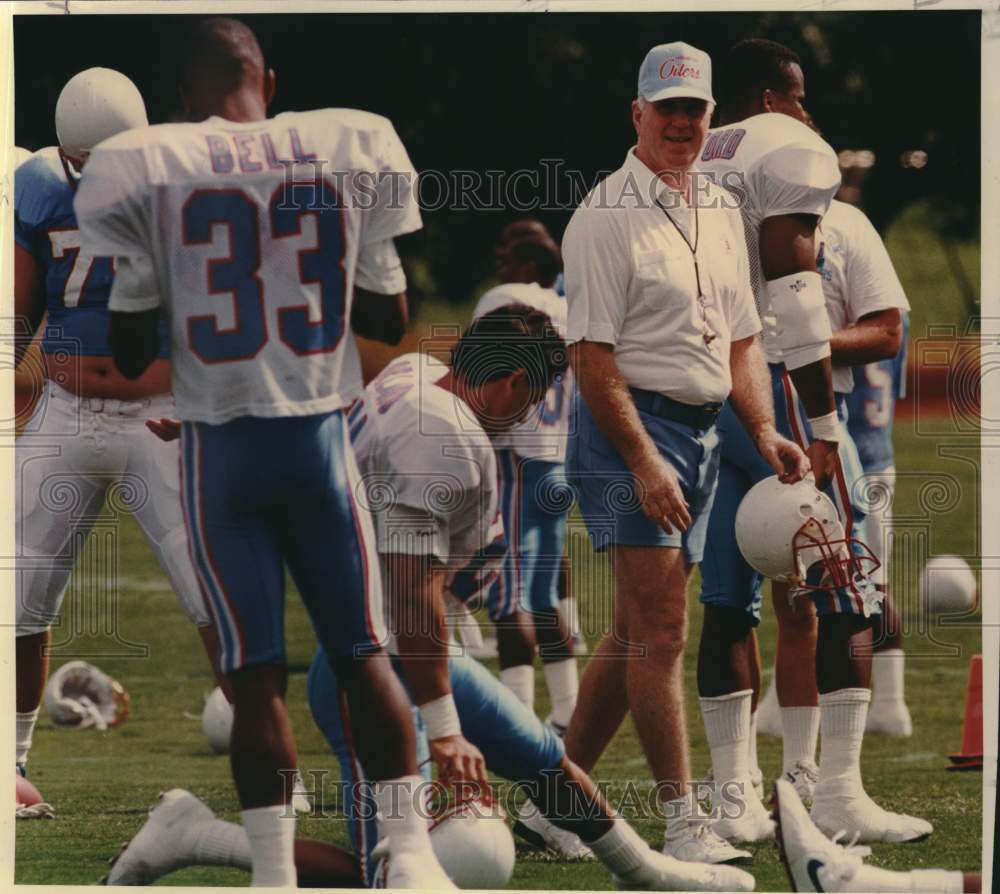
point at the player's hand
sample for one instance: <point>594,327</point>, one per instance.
<point>787,459</point>
<point>662,498</point>
<point>459,761</point>
<point>165,429</point>
<point>823,461</point>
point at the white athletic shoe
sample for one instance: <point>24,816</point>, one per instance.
<point>812,861</point>
<point>546,835</point>
<point>698,843</point>
<point>300,796</point>
<point>579,645</point>
<point>664,873</point>
<point>804,777</point>
<point>769,714</point>
<point>488,649</point>
<point>753,823</point>
<point>890,719</point>
<point>164,844</point>
<point>416,869</point>
<point>857,814</point>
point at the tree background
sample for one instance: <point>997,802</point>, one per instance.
<point>476,92</point>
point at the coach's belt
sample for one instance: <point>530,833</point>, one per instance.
<point>701,416</point>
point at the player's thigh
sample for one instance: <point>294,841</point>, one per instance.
<point>328,539</point>
<point>151,484</point>
<point>545,501</point>
<point>514,742</point>
<point>503,597</point>
<point>234,542</point>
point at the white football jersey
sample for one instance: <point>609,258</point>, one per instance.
<point>858,276</point>
<point>773,165</point>
<point>252,231</point>
<point>542,434</point>
<point>430,472</point>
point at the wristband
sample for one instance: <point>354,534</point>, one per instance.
<point>826,428</point>
<point>440,716</point>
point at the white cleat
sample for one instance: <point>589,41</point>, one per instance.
<point>664,873</point>
<point>812,861</point>
<point>757,778</point>
<point>416,870</point>
<point>804,777</point>
<point>698,843</point>
<point>546,835</point>
<point>300,796</point>
<point>164,844</point>
<point>580,647</point>
<point>889,719</point>
<point>752,821</point>
<point>857,814</point>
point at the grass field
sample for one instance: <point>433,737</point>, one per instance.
<point>102,783</point>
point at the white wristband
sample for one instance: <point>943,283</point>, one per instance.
<point>826,428</point>
<point>441,717</point>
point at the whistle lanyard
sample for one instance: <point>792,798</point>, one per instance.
<point>707,334</point>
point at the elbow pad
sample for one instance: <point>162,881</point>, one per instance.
<point>800,311</point>
<point>379,269</point>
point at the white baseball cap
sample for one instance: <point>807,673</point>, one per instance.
<point>676,69</point>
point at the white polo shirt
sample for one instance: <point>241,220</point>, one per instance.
<point>858,276</point>
<point>630,282</point>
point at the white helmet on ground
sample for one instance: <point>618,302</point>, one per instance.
<point>474,846</point>
<point>94,105</point>
<point>217,721</point>
<point>80,695</point>
<point>784,530</point>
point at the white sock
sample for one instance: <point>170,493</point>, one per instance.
<point>563,684</point>
<point>620,849</point>
<point>727,726</point>
<point>752,754</point>
<point>678,813</point>
<point>403,818</point>
<point>271,836</point>
<point>571,613</point>
<point>800,732</point>
<point>887,676</point>
<point>219,843</point>
<point>25,727</point>
<point>872,880</point>
<point>520,680</point>
<point>842,726</point>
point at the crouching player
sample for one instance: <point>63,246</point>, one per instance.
<point>421,438</point>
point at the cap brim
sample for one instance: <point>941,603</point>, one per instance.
<point>679,92</point>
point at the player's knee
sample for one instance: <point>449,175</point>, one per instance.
<point>726,623</point>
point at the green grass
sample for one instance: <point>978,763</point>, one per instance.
<point>102,783</point>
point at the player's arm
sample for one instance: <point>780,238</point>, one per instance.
<point>608,399</point>
<point>29,299</point>
<point>134,306</point>
<point>876,336</point>
<point>379,310</point>
<point>795,293</point>
<point>416,605</point>
<point>752,403</point>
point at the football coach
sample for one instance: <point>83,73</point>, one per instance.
<point>665,328</point>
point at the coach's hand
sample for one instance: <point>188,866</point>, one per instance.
<point>662,498</point>
<point>787,459</point>
<point>165,429</point>
<point>823,459</point>
<point>459,761</point>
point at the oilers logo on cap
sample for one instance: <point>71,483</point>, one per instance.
<point>676,70</point>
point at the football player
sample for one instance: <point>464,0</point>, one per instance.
<point>535,501</point>
<point>266,243</point>
<point>428,463</point>
<point>784,176</point>
<point>86,437</point>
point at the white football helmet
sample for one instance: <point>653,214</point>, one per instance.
<point>217,721</point>
<point>784,530</point>
<point>473,845</point>
<point>94,105</point>
<point>80,695</point>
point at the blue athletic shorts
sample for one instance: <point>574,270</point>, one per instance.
<point>726,578</point>
<point>605,487</point>
<point>259,493</point>
<point>514,742</point>
<point>534,500</point>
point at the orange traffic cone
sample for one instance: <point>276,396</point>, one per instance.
<point>971,755</point>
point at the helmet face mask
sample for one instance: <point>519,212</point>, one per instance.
<point>845,561</point>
